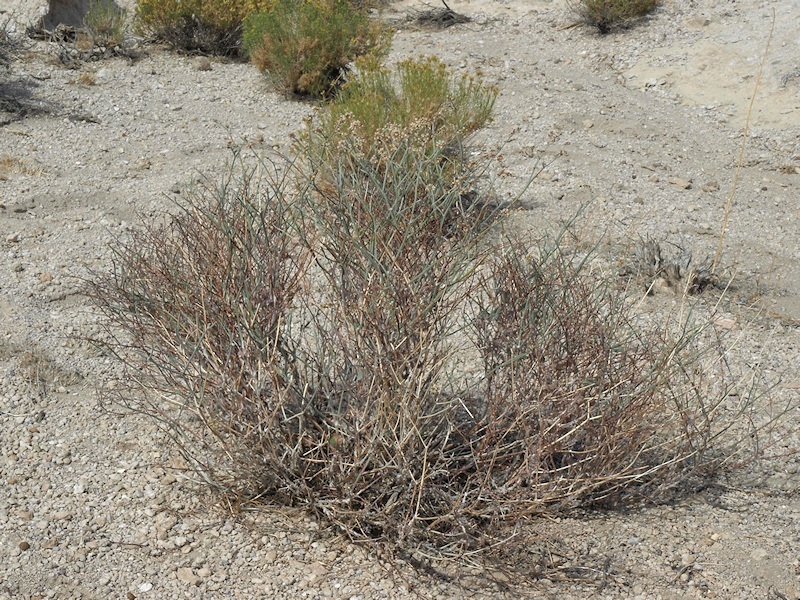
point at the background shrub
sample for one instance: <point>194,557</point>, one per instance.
<point>605,14</point>
<point>305,46</point>
<point>105,23</point>
<point>213,26</point>
<point>420,107</point>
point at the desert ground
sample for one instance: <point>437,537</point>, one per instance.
<point>640,131</point>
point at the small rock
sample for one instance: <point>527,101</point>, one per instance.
<point>13,238</point>
<point>710,186</point>
<point>186,575</point>
<point>146,587</point>
<point>270,556</point>
<point>725,323</point>
<point>204,572</point>
<point>697,22</point>
<point>26,515</point>
<point>61,515</point>
<point>681,183</point>
<point>588,124</point>
<point>759,554</point>
<point>50,543</point>
<point>24,546</point>
<point>203,64</point>
<point>45,277</point>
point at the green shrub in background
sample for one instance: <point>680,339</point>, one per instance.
<point>605,14</point>
<point>213,26</point>
<point>305,46</point>
<point>105,23</point>
<point>421,106</point>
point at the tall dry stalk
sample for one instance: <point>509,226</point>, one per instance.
<point>739,162</point>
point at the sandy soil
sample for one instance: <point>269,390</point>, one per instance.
<point>642,128</point>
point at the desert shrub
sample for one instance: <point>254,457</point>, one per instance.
<point>581,405</point>
<point>305,46</point>
<point>105,23</point>
<point>10,44</point>
<point>370,351</point>
<point>421,105</point>
<point>677,268</point>
<point>605,14</point>
<point>213,26</point>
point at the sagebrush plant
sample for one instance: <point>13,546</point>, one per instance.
<point>420,104</point>
<point>305,46</point>
<point>212,26</point>
<point>375,352</point>
<point>606,14</point>
<point>105,22</point>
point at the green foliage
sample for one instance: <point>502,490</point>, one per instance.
<point>421,105</point>
<point>605,14</point>
<point>306,45</point>
<point>213,26</point>
<point>105,22</point>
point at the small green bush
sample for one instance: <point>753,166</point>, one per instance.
<point>420,106</point>
<point>306,45</point>
<point>605,14</point>
<point>105,23</point>
<point>213,26</point>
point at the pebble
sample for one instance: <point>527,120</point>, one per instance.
<point>186,575</point>
<point>681,183</point>
<point>759,554</point>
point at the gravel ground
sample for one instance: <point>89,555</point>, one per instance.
<point>641,128</point>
